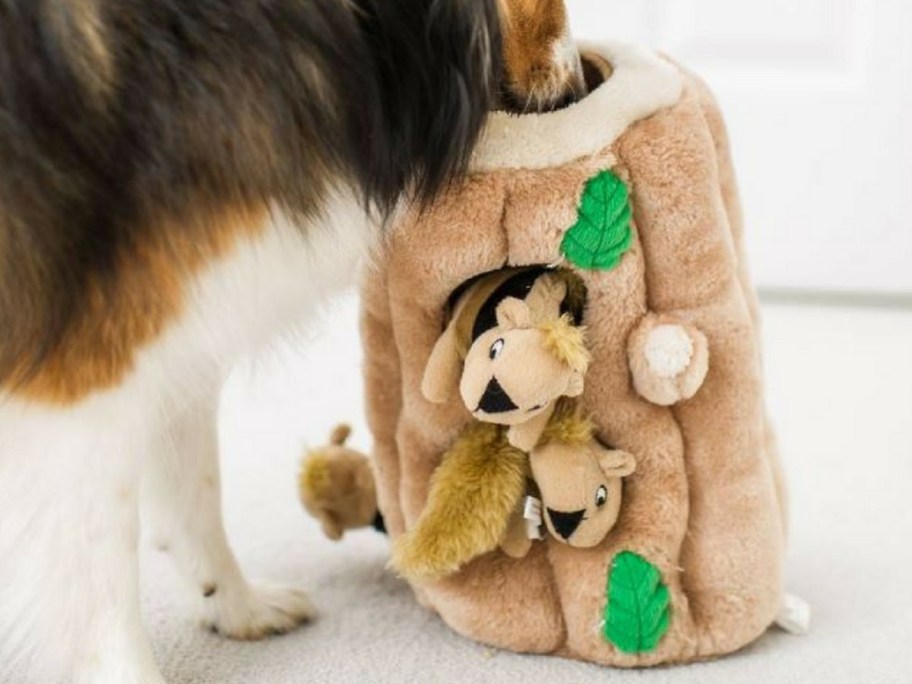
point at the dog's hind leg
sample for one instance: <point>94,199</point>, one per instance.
<point>69,588</point>
<point>182,503</point>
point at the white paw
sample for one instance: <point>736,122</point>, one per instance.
<point>255,612</point>
<point>669,350</point>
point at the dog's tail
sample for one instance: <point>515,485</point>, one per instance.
<point>433,82</point>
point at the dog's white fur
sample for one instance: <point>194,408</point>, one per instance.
<point>71,478</point>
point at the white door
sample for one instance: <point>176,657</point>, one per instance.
<point>818,97</point>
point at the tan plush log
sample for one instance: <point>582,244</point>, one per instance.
<point>675,378</point>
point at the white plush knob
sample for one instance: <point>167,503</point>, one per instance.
<point>794,615</point>
<point>668,359</point>
<point>669,350</point>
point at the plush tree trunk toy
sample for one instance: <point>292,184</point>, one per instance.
<point>631,191</point>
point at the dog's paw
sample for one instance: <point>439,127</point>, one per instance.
<point>257,611</point>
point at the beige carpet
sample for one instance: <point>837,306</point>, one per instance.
<point>841,393</point>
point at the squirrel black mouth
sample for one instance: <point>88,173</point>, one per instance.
<point>495,399</point>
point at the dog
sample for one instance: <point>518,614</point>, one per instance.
<point>181,181</point>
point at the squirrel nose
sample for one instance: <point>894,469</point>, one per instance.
<point>565,524</point>
<point>495,399</point>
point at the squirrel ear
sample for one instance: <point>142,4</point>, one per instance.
<point>332,528</point>
<point>513,313</point>
<point>443,370</point>
<point>616,463</point>
<point>340,434</point>
<point>545,297</point>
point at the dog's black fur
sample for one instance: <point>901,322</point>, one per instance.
<point>119,115</point>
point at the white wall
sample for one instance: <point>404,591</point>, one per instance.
<point>818,96</point>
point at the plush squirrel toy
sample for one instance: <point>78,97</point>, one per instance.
<point>579,479</point>
<point>512,348</point>
<point>516,354</point>
<point>578,482</point>
<point>336,486</point>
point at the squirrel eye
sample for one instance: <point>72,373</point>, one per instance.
<point>496,348</point>
<point>601,496</point>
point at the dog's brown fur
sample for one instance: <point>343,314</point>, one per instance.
<point>140,137</point>
<point>107,210</point>
<point>532,80</point>
<point>151,280</point>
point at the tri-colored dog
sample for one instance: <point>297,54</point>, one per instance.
<point>180,181</point>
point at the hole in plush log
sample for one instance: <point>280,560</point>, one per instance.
<point>517,282</point>
<point>596,70</point>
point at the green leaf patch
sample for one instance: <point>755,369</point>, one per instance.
<point>639,609</point>
<point>602,233</point>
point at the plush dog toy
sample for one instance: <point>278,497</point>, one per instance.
<point>336,486</point>
<point>633,190</point>
<point>512,348</point>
